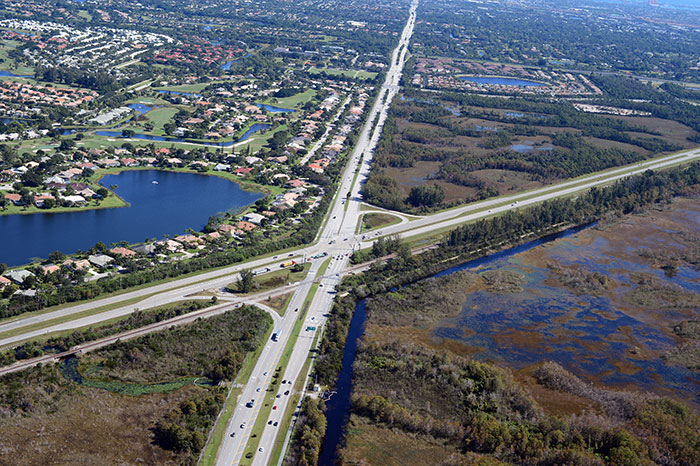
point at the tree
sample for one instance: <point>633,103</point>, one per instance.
<point>57,256</point>
<point>246,282</point>
<point>426,195</point>
<point>31,178</point>
<point>66,145</point>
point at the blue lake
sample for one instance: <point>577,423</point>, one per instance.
<point>179,201</point>
<point>8,73</point>
<point>254,128</point>
<point>501,81</point>
<point>528,147</point>
<point>273,109</point>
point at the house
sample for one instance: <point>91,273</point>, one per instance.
<point>100,260</point>
<point>4,281</point>
<point>78,265</point>
<point>129,162</point>
<point>241,171</point>
<point>51,268</point>
<point>123,252</point>
<point>174,161</point>
<point>170,245</point>
<point>39,200</point>
<point>74,199</point>
<point>188,239</point>
<point>18,276</point>
<point>316,167</point>
<point>245,226</point>
<point>251,160</point>
<point>222,167</point>
<point>253,218</point>
<point>228,230</point>
<point>145,248</point>
<point>296,183</point>
<point>214,235</point>
<point>16,199</point>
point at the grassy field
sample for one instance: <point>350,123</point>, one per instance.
<point>358,74</point>
<point>274,279</point>
<point>9,64</point>
<point>280,303</point>
<point>373,221</point>
<point>159,117</point>
<point>292,101</point>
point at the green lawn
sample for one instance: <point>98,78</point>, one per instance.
<point>275,279</point>
<point>291,101</point>
<point>373,221</point>
<point>358,74</point>
<point>8,64</point>
<point>159,117</point>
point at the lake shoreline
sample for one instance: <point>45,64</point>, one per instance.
<point>245,186</point>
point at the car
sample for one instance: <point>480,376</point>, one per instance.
<point>233,434</point>
<point>265,373</point>
<point>269,422</point>
<point>243,426</point>
<point>275,424</point>
<point>260,449</point>
<point>296,310</point>
<point>278,396</point>
<point>274,407</point>
<point>320,284</point>
<point>284,380</point>
<point>275,257</point>
<point>258,390</point>
<point>290,255</point>
<point>334,217</point>
<point>287,392</point>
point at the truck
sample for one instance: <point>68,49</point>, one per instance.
<point>276,335</point>
<point>288,264</point>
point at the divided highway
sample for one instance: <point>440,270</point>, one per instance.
<point>338,238</point>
